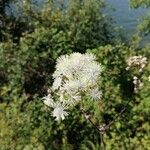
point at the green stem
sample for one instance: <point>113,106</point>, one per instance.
<point>102,141</point>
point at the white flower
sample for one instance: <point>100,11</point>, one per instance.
<point>75,55</point>
<point>57,83</point>
<point>135,78</point>
<point>95,94</point>
<point>73,86</point>
<point>74,99</point>
<point>90,57</point>
<point>135,82</point>
<point>48,100</point>
<point>58,108</point>
<point>59,112</point>
<point>127,68</point>
<point>78,72</point>
<point>74,65</point>
<point>92,74</point>
<point>137,61</point>
<point>74,76</point>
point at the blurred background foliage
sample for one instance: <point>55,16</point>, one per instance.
<point>144,26</point>
<point>32,37</point>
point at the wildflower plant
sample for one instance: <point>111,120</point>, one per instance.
<point>76,77</point>
<point>137,64</point>
<point>76,82</point>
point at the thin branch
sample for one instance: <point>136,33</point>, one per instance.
<point>103,129</point>
<point>88,117</point>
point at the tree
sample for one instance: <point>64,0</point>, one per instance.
<point>144,27</point>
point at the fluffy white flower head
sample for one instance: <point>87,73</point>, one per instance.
<point>75,74</point>
<point>48,100</point>
<point>59,112</point>
<point>137,61</point>
<point>81,68</point>
<point>95,94</point>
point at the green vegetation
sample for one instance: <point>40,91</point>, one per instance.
<point>31,42</point>
<point>144,27</point>
<point>143,3</point>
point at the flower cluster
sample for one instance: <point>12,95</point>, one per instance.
<point>137,83</point>
<point>76,75</point>
<point>137,61</point>
<point>140,63</point>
